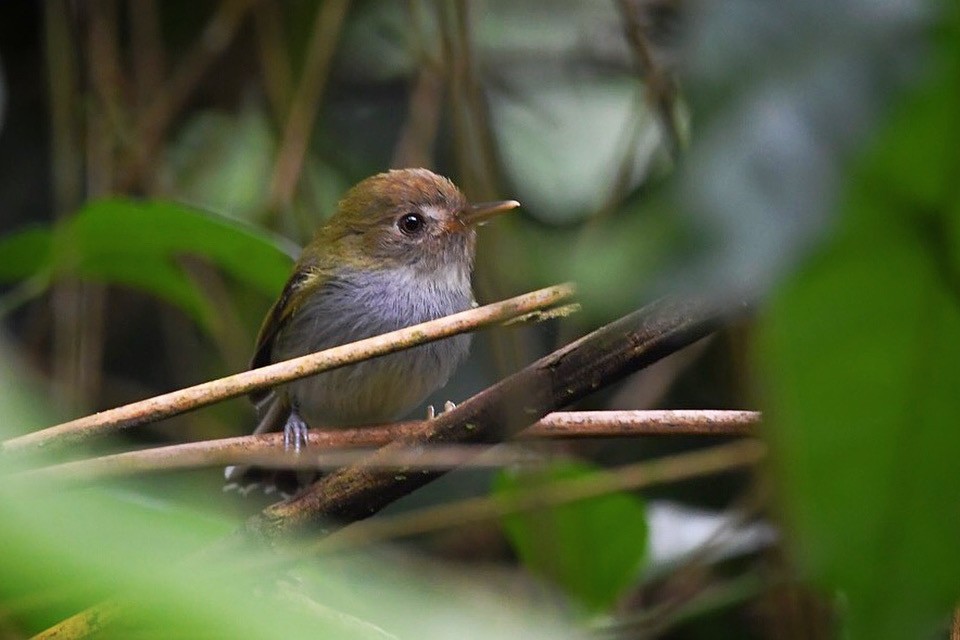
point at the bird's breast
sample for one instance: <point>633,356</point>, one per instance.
<point>359,305</point>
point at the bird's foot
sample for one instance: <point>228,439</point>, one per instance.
<point>295,433</point>
<point>447,406</point>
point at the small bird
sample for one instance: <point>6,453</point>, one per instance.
<point>398,251</point>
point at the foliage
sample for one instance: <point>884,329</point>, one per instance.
<point>860,350</point>
<point>68,548</point>
<point>140,244</point>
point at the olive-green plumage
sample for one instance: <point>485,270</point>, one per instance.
<point>398,251</point>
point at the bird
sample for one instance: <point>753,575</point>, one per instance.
<point>398,250</point>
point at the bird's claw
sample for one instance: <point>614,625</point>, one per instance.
<point>447,406</point>
<point>295,433</point>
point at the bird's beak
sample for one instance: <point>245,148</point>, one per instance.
<point>477,214</point>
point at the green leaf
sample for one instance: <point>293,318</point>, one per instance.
<point>161,554</point>
<point>592,549</point>
<point>141,243</point>
<point>24,253</point>
<point>219,162</point>
<point>860,353</point>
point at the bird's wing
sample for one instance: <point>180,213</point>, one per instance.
<point>292,296</point>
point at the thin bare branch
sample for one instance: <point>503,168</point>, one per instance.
<point>84,624</point>
<point>331,449</point>
<point>657,76</point>
<point>207,393</point>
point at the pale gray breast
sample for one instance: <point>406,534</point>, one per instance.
<point>361,305</point>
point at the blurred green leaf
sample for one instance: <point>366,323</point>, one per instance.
<point>66,549</point>
<point>222,162</point>
<point>138,244</point>
<point>24,253</point>
<point>593,549</point>
<point>860,352</point>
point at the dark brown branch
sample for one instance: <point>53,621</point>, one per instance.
<point>500,412</point>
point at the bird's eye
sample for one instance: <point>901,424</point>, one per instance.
<point>410,223</point>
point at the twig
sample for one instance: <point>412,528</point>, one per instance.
<point>330,446</point>
<point>659,80</point>
<point>216,36</point>
<point>306,101</point>
<point>548,314</point>
<point>66,171</point>
<point>501,411</point>
<point>84,624</point>
<point>201,395</point>
<point>620,424</point>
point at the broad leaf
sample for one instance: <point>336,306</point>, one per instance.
<point>140,244</point>
<point>861,352</point>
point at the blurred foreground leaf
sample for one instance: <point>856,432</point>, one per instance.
<point>66,549</point>
<point>860,352</point>
<point>139,244</point>
<point>593,549</point>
